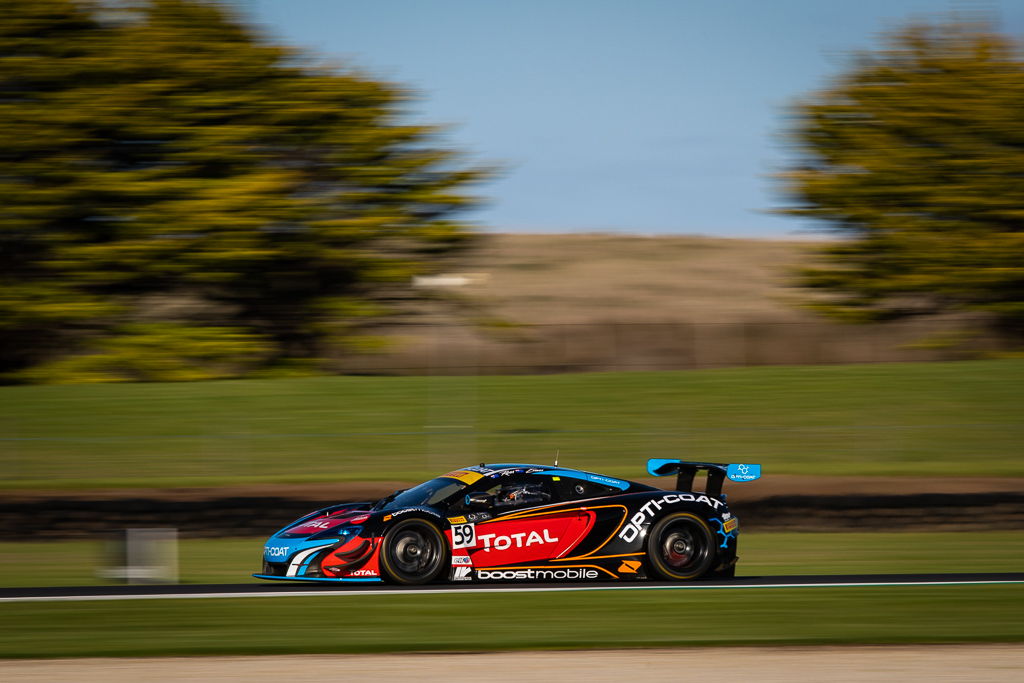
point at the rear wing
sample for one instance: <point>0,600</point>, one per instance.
<point>685,472</point>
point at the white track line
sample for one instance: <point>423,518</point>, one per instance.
<point>517,589</point>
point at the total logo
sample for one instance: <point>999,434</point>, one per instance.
<point>364,572</point>
<point>531,574</point>
<point>317,524</point>
<point>520,540</point>
<point>636,522</point>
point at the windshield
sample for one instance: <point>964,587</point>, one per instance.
<point>428,493</point>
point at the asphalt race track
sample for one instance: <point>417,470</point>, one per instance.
<point>273,589</point>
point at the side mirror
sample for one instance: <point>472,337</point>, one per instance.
<point>479,501</point>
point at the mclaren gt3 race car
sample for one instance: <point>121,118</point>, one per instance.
<point>521,523</point>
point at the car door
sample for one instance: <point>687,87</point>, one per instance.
<point>534,531</point>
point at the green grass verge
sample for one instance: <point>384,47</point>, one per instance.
<point>600,619</point>
<point>939,419</point>
<point>71,563</point>
<point>510,621</point>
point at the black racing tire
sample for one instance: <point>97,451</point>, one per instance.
<point>413,552</point>
<point>680,547</point>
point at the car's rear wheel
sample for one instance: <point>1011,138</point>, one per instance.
<point>680,546</point>
<point>413,552</point>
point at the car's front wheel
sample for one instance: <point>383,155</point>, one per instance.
<point>413,552</point>
<point>680,546</point>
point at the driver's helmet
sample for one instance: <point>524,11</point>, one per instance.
<point>518,494</point>
<point>511,494</point>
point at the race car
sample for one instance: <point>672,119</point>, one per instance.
<point>516,522</point>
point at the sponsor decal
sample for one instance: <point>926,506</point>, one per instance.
<point>462,574</point>
<point>507,473</point>
<point>463,536</point>
<point>461,560</point>
<point>726,529</point>
<point>651,507</point>
<point>277,551</point>
<point>536,574</point>
<point>426,511</point>
<point>465,476</point>
<point>315,525</point>
<point>743,472</point>
<point>364,572</point>
<point>457,520</point>
<point>629,566</point>
<point>607,480</point>
<point>478,516</point>
<point>522,539</point>
<point>588,476</point>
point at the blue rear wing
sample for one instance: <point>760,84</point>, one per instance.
<point>685,472</point>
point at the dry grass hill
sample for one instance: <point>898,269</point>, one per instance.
<point>578,302</point>
<point>584,278</point>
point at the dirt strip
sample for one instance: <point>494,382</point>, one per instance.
<point>975,663</point>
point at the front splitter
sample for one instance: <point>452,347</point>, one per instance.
<point>316,580</point>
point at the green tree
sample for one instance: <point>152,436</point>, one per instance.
<point>171,179</point>
<point>915,158</point>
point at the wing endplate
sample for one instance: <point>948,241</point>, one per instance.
<point>686,470</point>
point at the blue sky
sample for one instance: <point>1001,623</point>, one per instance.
<point>635,116</point>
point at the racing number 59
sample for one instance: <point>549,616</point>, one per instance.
<point>463,535</point>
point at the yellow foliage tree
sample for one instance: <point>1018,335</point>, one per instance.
<point>915,158</point>
<point>158,154</point>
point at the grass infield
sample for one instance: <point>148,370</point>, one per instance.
<point>510,621</point>
<point>930,419</point>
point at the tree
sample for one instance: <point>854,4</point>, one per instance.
<point>170,180</point>
<point>915,158</point>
